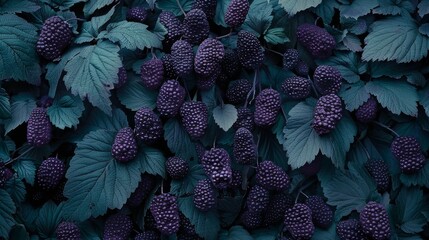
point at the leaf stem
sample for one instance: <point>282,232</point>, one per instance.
<point>365,149</point>
<point>274,51</point>
<point>252,91</point>
<point>386,128</point>
<point>18,157</point>
<point>226,35</point>
<point>181,8</point>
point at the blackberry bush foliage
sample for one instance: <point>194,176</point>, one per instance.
<point>204,119</point>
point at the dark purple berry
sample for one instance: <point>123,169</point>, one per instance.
<point>267,107</point>
<point>327,79</point>
<point>350,229</point>
<point>367,112</point>
<point>301,69</point>
<point>207,6</point>
<point>312,168</point>
<point>237,179</point>
<point>165,210</point>
<point>195,26</point>
<point>122,77</point>
<point>272,177</point>
<point>375,221</point>
<point>55,36</point>
<point>208,57</point>
<point>238,90</point>
<point>244,147</point>
<point>290,59</point>
<point>68,231</point>
<point>379,170</point>
<point>251,220</point>
<point>217,165</point>
<point>298,221</point>
<point>204,196</point>
<point>183,58</point>
<point>5,174</point>
<point>146,184</point>
<point>50,173</point>
<point>39,128</point>
<point>277,206</point>
<point>194,118</point>
<point>296,87</point>
<point>236,13</point>
<point>136,14</point>
<point>258,199</point>
<point>321,213</point>
<point>152,73</point>
<point>316,40</point>
<point>231,64</point>
<point>148,235</point>
<point>174,29</point>
<point>176,167</point>
<point>327,113</point>
<point>148,126</point>
<point>408,151</point>
<point>250,51</point>
<point>117,227</point>
<point>170,98</point>
<point>244,119</point>
<point>124,148</point>
<point>167,61</point>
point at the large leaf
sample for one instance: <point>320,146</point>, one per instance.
<point>7,208</point>
<point>16,188</point>
<point>225,116</point>
<point>178,140</point>
<point>66,111</point>
<point>50,215</point>
<point>135,96</point>
<point>259,18</point>
<point>92,73</point>
<point>292,7</point>
<point>357,8</point>
<point>21,107</point>
<point>186,185</point>
<point>354,95</point>
<point>93,5</point>
<point>4,104</point>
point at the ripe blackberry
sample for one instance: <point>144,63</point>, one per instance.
<point>367,112</point>
<point>165,210</point>
<point>277,206</point>
<point>378,169</point>
<point>217,165</point>
<point>244,147</point>
<point>122,77</point>
<point>321,213</point>
<point>124,148</point>
<point>55,36</point>
<point>208,57</point>
<point>195,26</point>
<point>5,175</point>
<point>375,221</point>
<point>136,14</point>
<point>207,6</point>
<point>236,179</point>
<point>152,73</point>
<point>408,151</point>
<point>316,40</point>
<point>238,90</point>
<point>167,61</point>
<point>251,220</point>
<point>68,231</point>
<point>176,167</point>
<point>250,51</point>
<point>327,113</point>
<point>204,197</point>
<point>195,118</point>
<point>350,229</point>
<point>39,128</point>
<point>170,98</point>
<point>272,177</point>
<point>146,184</point>
<point>298,221</point>
<point>290,59</point>
<point>183,58</point>
<point>267,107</point>
<point>296,87</point>
<point>207,82</point>
<point>244,119</point>
<point>301,69</point>
<point>236,13</point>
<point>50,173</point>
<point>148,126</point>
<point>148,235</point>
<point>231,64</point>
<point>327,79</point>
<point>117,227</point>
<point>258,199</point>
<point>173,26</point>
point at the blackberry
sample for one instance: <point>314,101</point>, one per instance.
<point>301,69</point>
<point>236,179</point>
<point>350,229</point>
<point>124,148</point>
<point>173,26</point>
<point>165,210</point>
<point>68,231</point>
<point>236,13</point>
<point>277,206</point>
<point>146,184</point>
<point>176,167</point>
<point>170,98</point>
<point>327,113</point>
<point>238,90</point>
<point>208,57</point>
<point>152,73</point>
<point>231,64</point>
<point>367,112</point>
<point>117,227</point>
<point>408,151</point>
<point>258,199</point>
<point>207,82</point>
<point>183,58</point>
<point>195,118</point>
<point>244,147</point>
<point>195,26</point>
<point>204,197</point>
<point>296,87</point>
<point>5,175</point>
<point>290,59</point>
<point>271,176</point>
<point>39,128</point>
<point>244,119</point>
<point>267,107</point>
<point>378,169</point>
<point>122,77</point>
<point>167,61</point>
<point>327,79</point>
<point>316,40</point>
<point>136,14</point>
<point>217,165</point>
<point>55,36</point>
<point>148,235</point>
<point>50,173</point>
<point>250,51</point>
<point>298,221</point>
<point>207,6</point>
<point>251,220</point>
<point>321,213</point>
<point>375,221</point>
<point>148,126</point>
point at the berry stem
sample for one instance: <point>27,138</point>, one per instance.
<point>365,149</point>
<point>274,51</point>
<point>313,87</point>
<point>18,157</point>
<point>181,8</point>
<point>305,195</point>
<point>244,179</point>
<point>162,187</point>
<point>226,35</point>
<point>252,91</point>
<point>77,19</point>
<point>386,128</point>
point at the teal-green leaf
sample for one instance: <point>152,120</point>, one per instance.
<point>388,7</point>
<point>97,182</point>
<point>354,95</point>
<point>259,17</point>
<point>424,29</point>
<point>50,215</point>
<point>16,188</point>
<point>93,5</point>
<point>171,5</point>
<point>221,7</point>
<point>235,233</point>
<point>18,58</point>
<point>357,8</point>
<point>7,208</point>
<point>19,232</point>
<point>395,38</point>
<point>151,161</point>
<point>93,72</point>
<point>25,169</point>
<point>424,99</point>
<point>423,8</point>
<point>21,107</point>
<point>186,185</point>
<point>326,10</point>
<point>395,95</point>
<point>12,6</point>
<point>178,140</point>
<point>131,35</point>
<point>4,104</point>
<point>229,208</point>
<point>276,36</point>
<point>135,96</point>
<point>269,148</point>
<point>91,29</point>
<point>66,111</point>
<point>225,116</point>
<point>292,7</point>
<point>348,63</point>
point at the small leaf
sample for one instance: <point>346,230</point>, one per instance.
<point>229,208</point>
<point>225,116</point>
<point>66,111</point>
<point>276,36</point>
<point>354,95</point>
<point>21,106</point>
<point>135,96</point>
<point>353,43</point>
<point>11,6</point>
<point>326,10</point>
<point>423,8</point>
<point>16,188</point>
<point>7,208</point>
<point>259,18</point>
<point>221,7</point>
<point>187,184</point>
<point>25,169</point>
<point>4,104</point>
<point>235,233</point>
<point>50,215</point>
<point>292,7</point>
<point>357,8</point>
<point>424,29</point>
<point>93,5</point>
<point>178,140</point>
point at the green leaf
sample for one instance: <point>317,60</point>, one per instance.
<point>206,223</point>
<point>348,63</point>
<point>424,99</point>
<point>11,6</point>
<point>4,104</point>
<point>225,116</point>
<point>178,140</point>
<point>91,29</point>
<point>21,107</point>
<point>229,208</point>
<point>357,8</point>
<point>96,181</point>
<point>187,184</point>
<point>93,5</point>
<point>354,95</point>
<point>7,208</point>
<point>92,73</point>
<point>63,4</point>
<point>50,215</point>
<point>235,233</point>
<point>353,43</point>
<point>221,7</point>
<point>25,169</point>
<point>388,7</point>
<point>326,10</point>
<point>423,8</point>
<point>17,46</point>
<point>292,7</point>
<point>16,188</point>
<point>424,29</point>
<point>171,5</point>
<point>397,96</point>
<point>276,36</point>
<point>259,18</point>
<point>395,38</point>
<point>152,161</point>
<point>66,111</point>
<point>270,148</point>
<point>131,35</point>
<point>421,178</point>
<point>135,96</point>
